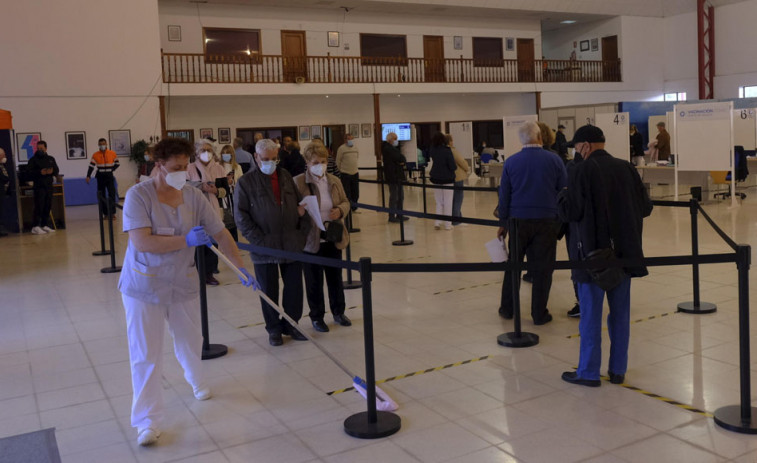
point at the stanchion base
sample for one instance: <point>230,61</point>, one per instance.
<point>214,351</point>
<point>704,307</point>
<point>402,243</point>
<point>101,253</point>
<point>729,417</point>
<point>354,230</point>
<point>512,339</point>
<point>110,270</point>
<point>358,426</point>
<point>353,285</point>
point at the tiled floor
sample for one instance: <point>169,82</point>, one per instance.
<point>64,361</point>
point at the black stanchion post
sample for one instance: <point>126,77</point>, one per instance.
<point>102,251</point>
<point>350,284</point>
<point>516,338</point>
<point>741,418</point>
<point>209,351</point>
<point>695,306</point>
<point>402,241</point>
<point>371,424</point>
<point>423,178</point>
<point>350,227</point>
<point>112,268</point>
<point>380,177</point>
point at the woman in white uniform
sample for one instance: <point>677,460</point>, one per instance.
<point>166,220</point>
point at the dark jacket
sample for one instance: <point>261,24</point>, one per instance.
<point>561,144</point>
<point>584,204</point>
<point>292,161</point>
<point>39,161</point>
<point>263,222</point>
<point>531,181</point>
<point>442,165</point>
<point>394,163</point>
<point>637,145</point>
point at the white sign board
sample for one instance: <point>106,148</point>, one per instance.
<point>745,128</point>
<point>704,136</point>
<point>512,124</point>
<point>616,128</point>
<point>462,138</point>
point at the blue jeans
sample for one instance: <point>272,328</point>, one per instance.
<point>618,324</point>
<point>457,202</point>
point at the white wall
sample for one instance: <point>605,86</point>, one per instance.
<point>558,44</point>
<point>736,56</point>
<point>317,22</point>
<point>81,65</point>
<point>680,45</point>
<point>299,110</point>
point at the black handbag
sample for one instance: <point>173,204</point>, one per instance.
<point>606,278</point>
<point>334,230</point>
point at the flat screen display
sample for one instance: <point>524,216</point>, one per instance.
<point>402,130</point>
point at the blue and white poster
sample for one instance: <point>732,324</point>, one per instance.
<point>27,145</point>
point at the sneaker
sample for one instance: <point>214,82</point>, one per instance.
<point>48,229</point>
<point>202,393</point>
<point>147,436</point>
<point>38,231</point>
<point>575,312</point>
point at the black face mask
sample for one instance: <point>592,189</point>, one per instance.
<point>40,153</point>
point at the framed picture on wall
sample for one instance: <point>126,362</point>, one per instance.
<point>509,44</point>
<point>594,44</point>
<point>457,42</point>
<point>315,131</point>
<point>584,45</point>
<point>224,136</point>
<point>366,130</point>
<point>304,132</point>
<point>27,145</point>
<point>206,133</point>
<point>333,38</point>
<point>354,130</point>
<point>76,145</point>
<point>120,141</point>
<point>174,33</point>
<point>186,134</point>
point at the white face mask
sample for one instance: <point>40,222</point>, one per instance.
<point>176,179</point>
<point>226,157</point>
<point>395,142</point>
<point>205,156</point>
<point>3,160</point>
<point>147,157</point>
<point>268,167</point>
<point>317,170</point>
<point>350,143</point>
<point>103,147</point>
<point>278,145</point>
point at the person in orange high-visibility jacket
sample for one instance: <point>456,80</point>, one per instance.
<point>106,162</point>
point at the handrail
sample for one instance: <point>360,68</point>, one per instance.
<point>202,68</point>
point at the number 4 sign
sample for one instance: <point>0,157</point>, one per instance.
<point>27,145</point>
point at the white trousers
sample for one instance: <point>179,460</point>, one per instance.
<point>444,203</point>
<point>145,329</point>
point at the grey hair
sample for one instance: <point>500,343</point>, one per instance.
<point>529,133</point>
<point>202,142</point>
<point>266,145</point>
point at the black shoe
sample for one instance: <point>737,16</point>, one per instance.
<point>505,315</point>
<point>615,378</point>
<point>342,320</point>
<point>394,219</point>
<point>2,233</point>
<point>216,272</point>
<point>544,319</point>
<point>211,281</point>
<point>572,378</point>
<point>404,218</point>
<point>528,278</point>
<point>320,326</point>
<point>275,340</point>
<point>575,312</point>
<point>296,335</point>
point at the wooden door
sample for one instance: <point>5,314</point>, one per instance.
<point>333,136</point>
<point>526,61</point>
<point>433,56</point>
<point>610,61</point>
<point>294,55</point>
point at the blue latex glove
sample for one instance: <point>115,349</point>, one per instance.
<point>197,237</point>
<point>250,280</point>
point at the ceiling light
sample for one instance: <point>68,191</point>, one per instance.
<point>568,21</point>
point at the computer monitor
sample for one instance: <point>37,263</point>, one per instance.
<point>401,129</point>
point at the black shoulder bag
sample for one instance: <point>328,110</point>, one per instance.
<point>334,230</point>
<point>606,278</point>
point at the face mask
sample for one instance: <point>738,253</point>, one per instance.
<point>226,157</point>
<point>395,143</point>
<point>3,160</point>
<point>205,156</point>
<point>350,143</point>
<point>268,167</point>
<point>103,147</point>
<point>278,145</point>
<point>147,157</point>
<point>176,179</point>
<point>317,170</point>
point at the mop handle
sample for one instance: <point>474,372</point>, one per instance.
<point>281,312</point>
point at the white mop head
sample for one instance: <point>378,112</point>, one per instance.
<point>383,401</point>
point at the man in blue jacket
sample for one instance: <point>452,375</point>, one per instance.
<point>531,181</point>
<point>605,204</point>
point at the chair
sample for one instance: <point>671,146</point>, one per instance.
<point>724,178</point>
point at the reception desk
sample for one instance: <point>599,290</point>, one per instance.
<point>26,203</point>
<point>665,175</point>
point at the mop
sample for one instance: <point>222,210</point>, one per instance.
<point>383,401</point>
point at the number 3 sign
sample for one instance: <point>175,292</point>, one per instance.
<point>27,145</point>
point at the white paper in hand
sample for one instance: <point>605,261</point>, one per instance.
<point>497,250</point>
<point>311,205</point>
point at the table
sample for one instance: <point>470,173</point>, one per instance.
<point>665,175</point>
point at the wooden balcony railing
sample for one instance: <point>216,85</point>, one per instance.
<point>200,68</point>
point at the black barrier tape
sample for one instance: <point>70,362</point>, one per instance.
<point>367,168</point>
<point>421,215</point>
<point>717,229</point>
<point>435,186</point>
<point>663,203</point>
<point>300,257</point>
